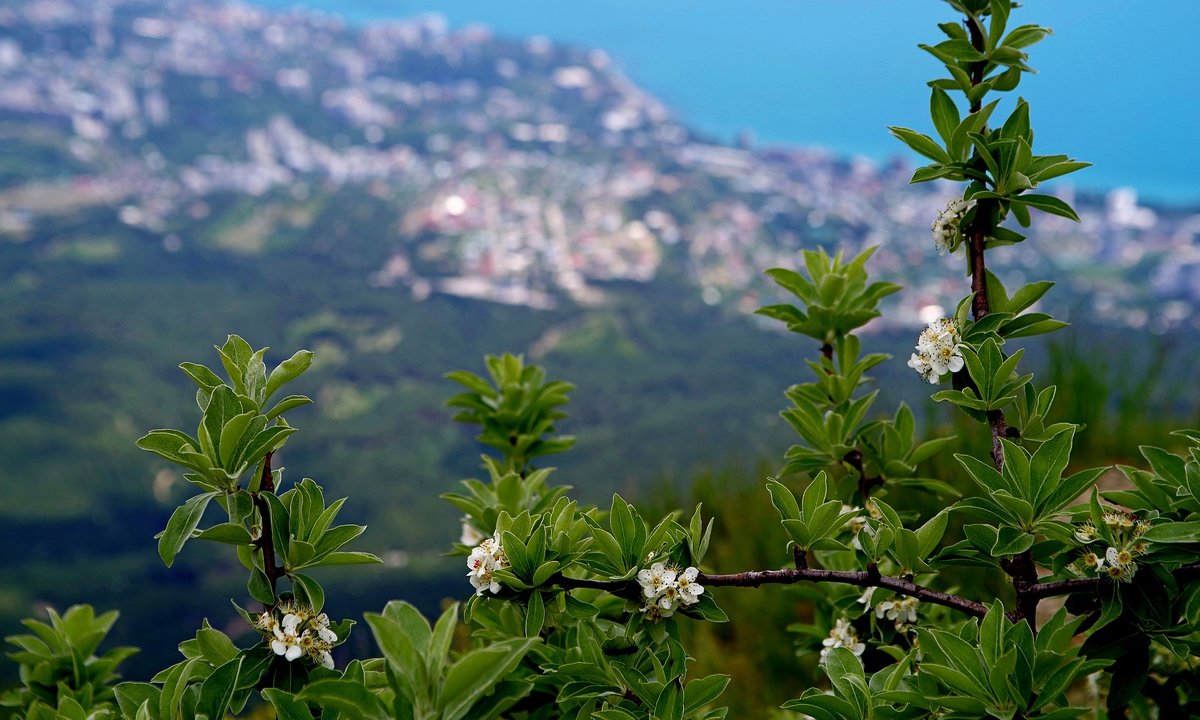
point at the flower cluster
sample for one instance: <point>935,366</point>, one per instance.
<point>667,588</point>
<point>842,635</point>
<point>939,350</point>
<point>298,631</point>
<point>1122,531</point>
<point>487,557</point>
<point>901,611</point>
<point>947,226</point>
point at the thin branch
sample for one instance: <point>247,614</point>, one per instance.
<point>265,541</point>
<point>1020,568</point>
<point>1186,573</point>
<point>854,459</point>
<point>755,578</point>
<point>977,68</point>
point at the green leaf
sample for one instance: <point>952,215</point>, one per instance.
<point>133,695</point>
<point>402,655</point>
<point>1174,532</point>
<point>1167,466</point>
<point>203,377</point>
<point>279,524</point>
<point>310,589</point>
<point>223,406</point>
<point>477,673</point>
<point>216,646</point>
<point>287,707</point>
<point>347,558</point>
<point>669,703</point>
<point>1048,204</point>
<point>702,691</point>
<point>945,115</point>
<point>232,437</point>
<point>535,614</point>
<point>235,356</point>
<point>1027,295</point>
<point>1031,324</point>
<point>411,621</point>
<point>218,688</point>
<point>999,11</point>
<point>169,444</point>
<point>921,143</point>
<point>1026,35</point>
<point>349,698</point>
<point>267,440</point>
<point>440,639</point>
<point>229,533</point>
<point>287,371</point>
<point>624,529</point>
<point>985,153</point>
<point>1058,169</point>
<point>1047,464</point>
<point>259,587</point>
<point>175,684</point>
<point>930,534</point>
<point>814,496</point>
<point>179,528</point>
<point>929,448</point>
<point>288,403</point>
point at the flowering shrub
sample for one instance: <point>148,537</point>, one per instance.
<point>576,610</point>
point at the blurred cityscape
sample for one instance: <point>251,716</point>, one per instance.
<point>512,170</point>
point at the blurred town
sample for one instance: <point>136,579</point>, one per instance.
<point>516,170</point>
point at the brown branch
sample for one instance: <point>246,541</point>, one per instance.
<point>1186,573</point>
<point>977,68</point>
<point>977,233</point>
<point>854,459</point>
<point>999,430</point>
<point>1023,572</point>
<point>755,578</point>
<point>265,541</point>
<point>1020,568</point>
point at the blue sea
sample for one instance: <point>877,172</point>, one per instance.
<point>1117,85</point>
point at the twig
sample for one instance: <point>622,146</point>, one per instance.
<point>854,459</point>
<point>1020,568</point>
<point>1186,573</point>
<point>265,541</point>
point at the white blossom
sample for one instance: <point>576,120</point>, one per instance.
<point>901,611</point>
<point>321,624</point>
<point>865,598</point>
<point>656,579</point>
<point>1121,566</point>
<point>842,635</point>
<point>689,590</point>
<point>938,350</point>
<point>1122,532</point>
<point>666,588</point>
<point>297,632</point>
<point>947,226</point>
<point>486,558</point>
<point>470,535</point>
